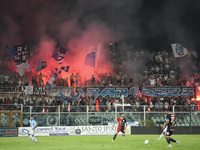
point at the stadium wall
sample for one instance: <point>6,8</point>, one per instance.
<point>158,130</point>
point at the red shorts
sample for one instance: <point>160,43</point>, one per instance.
<point>120,128</point>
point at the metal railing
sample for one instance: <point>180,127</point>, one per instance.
<point>142,115</point>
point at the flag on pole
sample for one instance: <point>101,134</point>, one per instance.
<point>55,55</point>
<point>41,65</point>
<point>11,51</point>
<point>23,67</point>
<point>60,55</point>
<point>58,70</point>
<point>90,59</point>
<point>19,53</point>
<point>51,81</point>
<point>97,50</point>
<point>179,50</point>
<point>51,71</point>
<point>65,68</point>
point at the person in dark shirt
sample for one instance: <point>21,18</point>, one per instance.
<point>170,123</point>
<point>121,126</point>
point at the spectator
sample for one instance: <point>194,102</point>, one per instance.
<point>93,80</point>
<point>41,81</point>
<point>151,106</point>
<point>166,106</point>
<point>77,77</point>
<point>72,79</point>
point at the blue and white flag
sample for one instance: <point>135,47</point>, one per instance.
<point>23,67</point>
<point>179,50</point>
<point>90,59</point>
<point>65,68</point>
<point>69,98</point>
<point>58,70</point>
<point>51,81</point>
<point>60,55</point>
<point>41,65</point>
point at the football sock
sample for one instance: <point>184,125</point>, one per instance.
<point>168,141</point>
<point>172,140</point>
<point>34,138</point>
<point>31,137</point>
<point>161,136</point>
<point>114,136</point>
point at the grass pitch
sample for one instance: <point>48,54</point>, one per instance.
<point>131,142</point>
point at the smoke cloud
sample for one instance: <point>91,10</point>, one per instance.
<point>79,25</point>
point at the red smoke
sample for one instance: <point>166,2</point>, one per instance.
<point>78,48</point>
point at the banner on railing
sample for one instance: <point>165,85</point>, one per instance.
<point>47,131</point>
<point>8,132</point>
<point>29,90</point>
<point>66,91</point>
<point>135,91</point>
<point>99,130</point>
<point>39,90</point>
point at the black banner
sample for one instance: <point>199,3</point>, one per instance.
<point>8,132</point>
<point>21,52</point>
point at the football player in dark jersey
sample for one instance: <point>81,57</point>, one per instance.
<point>121,126</point>
<point>170,122</point>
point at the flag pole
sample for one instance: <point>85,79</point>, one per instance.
<point>94,63</point>
<point>98,56</point>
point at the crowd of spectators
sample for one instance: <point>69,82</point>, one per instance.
<point>155,69</point>
<point>158,69</point>
<point>102,104</point>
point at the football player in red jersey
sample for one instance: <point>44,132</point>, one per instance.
<point>121,126</point>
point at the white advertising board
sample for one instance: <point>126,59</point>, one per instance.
<point>99,130</point>
<point>72,130</point>
<point>47,131</point>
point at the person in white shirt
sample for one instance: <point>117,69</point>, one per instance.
<point>33,125</point>
<point>152,81</point>
<point>151,106</point>
<point>6,79</point>
<point>166,106</point>
<point>122,98</point>
<point>109,123</point>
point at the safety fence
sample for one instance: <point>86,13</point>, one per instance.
<point>142,115</point>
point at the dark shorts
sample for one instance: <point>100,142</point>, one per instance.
<point>169,133</point>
